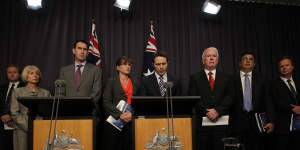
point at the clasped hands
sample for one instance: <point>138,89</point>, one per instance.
<point>212,114</point>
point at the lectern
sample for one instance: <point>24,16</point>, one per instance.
<point>75,125</point>
<point>151,122</point>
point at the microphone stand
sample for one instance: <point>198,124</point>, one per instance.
<point>50,145</point>
<point>172,136</point>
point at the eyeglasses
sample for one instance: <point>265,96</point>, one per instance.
<point>246,58</point>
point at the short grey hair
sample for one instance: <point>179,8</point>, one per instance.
<point>29,69</point>
<point>212,48</point>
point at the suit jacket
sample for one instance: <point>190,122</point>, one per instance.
<point>150,86</point>
<point>114,92</point>
<point>4,106</point>
<point>18,111</point>
<point>90,82</point>
<point>261,102</point>
<point>282,97</point>
<point>218,99</point>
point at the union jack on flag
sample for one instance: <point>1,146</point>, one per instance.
<point>94,56</point>
<point>149,52</point>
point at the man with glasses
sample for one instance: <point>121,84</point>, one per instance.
<point>250,93</point>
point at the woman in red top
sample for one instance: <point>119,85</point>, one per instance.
<point>117,89</point>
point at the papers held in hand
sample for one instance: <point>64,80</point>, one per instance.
<point>295,123</point>
<point>221,121</point>
<point>261,120</point>
<point>119,123</point>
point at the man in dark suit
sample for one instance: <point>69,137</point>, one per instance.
<point>6,133</point>
<point>250,96</point>
<point>213,87</point>
<point>151,85</point>
<point>285,95</point>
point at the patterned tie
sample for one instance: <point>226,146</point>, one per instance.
<point>7,100</point>
<point>78,74</point>
<point>161,86</point>
<point>247,94</point>
<point>292,89</point>
<point>211,81</point>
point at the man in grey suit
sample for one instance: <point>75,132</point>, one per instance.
<point>82,78</point>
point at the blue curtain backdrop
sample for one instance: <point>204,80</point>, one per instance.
<point>45,38</point>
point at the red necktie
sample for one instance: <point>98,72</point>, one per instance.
<point>78,74</point>
<point>211,81</point>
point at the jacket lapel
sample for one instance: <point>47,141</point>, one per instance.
<point>71,74</point>
<point>253,89</point>
<point>155,84</point>
<point>84,74</point>
<point>285,87</point>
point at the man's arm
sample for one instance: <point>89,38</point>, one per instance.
<point>97,86</point>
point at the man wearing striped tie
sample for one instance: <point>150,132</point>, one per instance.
<point>285,89</point>
<point>153,85</point>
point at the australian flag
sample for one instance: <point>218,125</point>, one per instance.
<point>94,56</point>
<point>149,52</point>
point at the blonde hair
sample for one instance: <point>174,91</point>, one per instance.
<point>28,69</point>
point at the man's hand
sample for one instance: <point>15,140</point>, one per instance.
<point>296,109</point>
<point>126,117</point>
<point>269,127</point>
<point>6,119</point>
<point>212,114</point>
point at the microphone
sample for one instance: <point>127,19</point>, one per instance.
<point>168,84</point>
<point>60,88</point>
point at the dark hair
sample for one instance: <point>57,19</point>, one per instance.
<point>123,60</point>
<point>160,54</point>
<point>13,65</point>
<point>285,57</point>
<point>82,41</point>
<point>247,53</point>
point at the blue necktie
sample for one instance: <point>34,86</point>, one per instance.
<point>247,94</point>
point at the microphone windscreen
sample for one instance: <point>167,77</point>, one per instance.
<point>60,83</point>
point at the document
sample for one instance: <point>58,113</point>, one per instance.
<point>295,123</point>
<point>223,120</point>
<point>6,127</point>
<point>119,123</point>
<point>261,120</point>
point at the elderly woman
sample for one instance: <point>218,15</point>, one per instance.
<point>31,75</point>
<point>119,88</point>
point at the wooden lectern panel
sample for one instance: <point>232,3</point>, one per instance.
<point>81,129</point>
<point>146,128</point>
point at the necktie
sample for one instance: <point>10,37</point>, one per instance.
<point>161,86</point>
<point>292,89</point>
<point>78,74</point>
<point>247,94</point>
<point>211,81</point>
<point>9,93</point>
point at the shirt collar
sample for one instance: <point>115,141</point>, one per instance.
<point>157,75</point>
<point>83,64</point>
<point>285,79</point>
<point>16,83</point>
<point>243,74</point>
<point>213,71</point>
